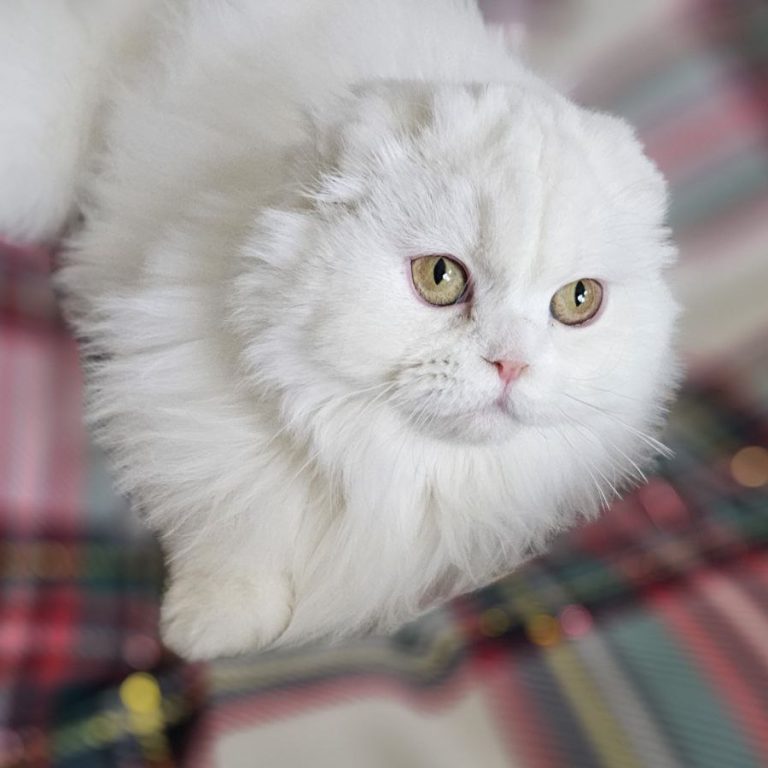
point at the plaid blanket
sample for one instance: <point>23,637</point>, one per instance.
<point>639,640</point>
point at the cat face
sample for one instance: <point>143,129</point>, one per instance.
<point>476,259</point>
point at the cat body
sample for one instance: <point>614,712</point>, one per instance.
<point>321,451</point>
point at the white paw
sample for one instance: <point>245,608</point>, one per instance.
<point>205,616</point>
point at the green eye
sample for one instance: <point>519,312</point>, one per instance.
<point>577,302</point>
<point>439,280</point>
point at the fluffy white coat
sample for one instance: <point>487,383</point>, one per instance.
<point>320,452</point>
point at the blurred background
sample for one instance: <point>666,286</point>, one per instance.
<point>640,640</point>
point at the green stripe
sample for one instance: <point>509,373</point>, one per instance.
<point>671,89</point>
<point>577,687</point>
<point>687,705</point>
<point>723,186</point>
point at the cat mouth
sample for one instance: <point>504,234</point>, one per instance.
<point>507,411</point>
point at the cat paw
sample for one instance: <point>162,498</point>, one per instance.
<point>204,617</point>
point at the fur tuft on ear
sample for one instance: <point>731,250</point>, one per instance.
<point>366,130</point>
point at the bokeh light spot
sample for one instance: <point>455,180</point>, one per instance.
<point>575,620</point>
<point>544,630</point>
<point>140,693</point>
<point>749,467</point>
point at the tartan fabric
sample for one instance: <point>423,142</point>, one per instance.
<point>639,640</point>
<point>78,582</point>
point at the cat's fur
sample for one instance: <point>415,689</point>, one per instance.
<point>320,451</point>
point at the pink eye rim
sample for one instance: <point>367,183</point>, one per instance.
<point>440,280</point>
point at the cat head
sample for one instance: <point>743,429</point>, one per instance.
<point>475,259</point>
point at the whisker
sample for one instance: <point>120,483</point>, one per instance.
<point>638,473</point>
<point>587,466</point>
<point>604,391</point>
<point>651,441</point>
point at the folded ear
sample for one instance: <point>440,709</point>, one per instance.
<point>362,133</point>
<point>628,171</point>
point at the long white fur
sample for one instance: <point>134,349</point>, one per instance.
<point>319,450</point>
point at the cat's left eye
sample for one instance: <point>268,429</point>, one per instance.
<point>440,280</point>
<point>577,302</point>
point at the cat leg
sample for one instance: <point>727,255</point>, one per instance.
<point>221,602</point>
<point>52,56</point>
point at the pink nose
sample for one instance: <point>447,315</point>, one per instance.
<point>509,370</point>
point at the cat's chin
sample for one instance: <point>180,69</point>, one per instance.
<point>489,426</point>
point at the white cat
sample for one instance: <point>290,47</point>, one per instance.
<point>368,310</point>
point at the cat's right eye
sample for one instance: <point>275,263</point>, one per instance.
<point>440,280</point>
<point>577,302</point>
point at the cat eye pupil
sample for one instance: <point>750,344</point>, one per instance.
<point>440,280</point>
<point>576,303</point>
<point>439,271</point>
